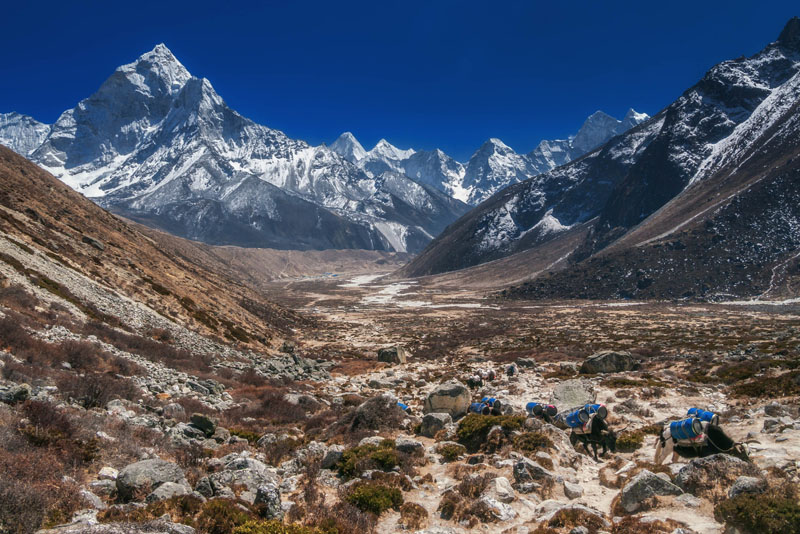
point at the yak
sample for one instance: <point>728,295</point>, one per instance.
<point>716,442</point>
<point>598,436</point>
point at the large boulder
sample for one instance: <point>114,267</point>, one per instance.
<point>393,355</point>
<point>432,423</point>
<point>608,361</point>
<point>146,476</point>
<point>451,398</point>
<point>703,475</point>
<point>242,472</point>
<point>572,393</point>
<point>644,486</point>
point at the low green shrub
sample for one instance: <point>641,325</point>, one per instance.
<point>450,451</point>
<point>532,442</point>
<point>630,441</point>
<point>473,429</point>
<point>774,512</point>
<point>374,498</point>
<point>363,457</point>
<point>770,386</point>
<point>274,527</point>
<point>221,516</point>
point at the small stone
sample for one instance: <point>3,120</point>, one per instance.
<point>107,473</point>
<point>167,490</point>
<point>572,491</point>
<point>745,484</point>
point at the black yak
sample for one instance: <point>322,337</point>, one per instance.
<point>599,435</point>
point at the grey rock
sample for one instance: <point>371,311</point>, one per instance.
<point>452,398</point>
<point>745,484</point>
<point>689,500</point>
<point>167,490</point>
<point>528,363</point>
<point>103,487</point>
<point>501,490</point>
<point>107,473</point>
<point>579,530</point>
<point>371,440</point>
<point>15,394</point>
<point>644,486</point>
<point>409,446</point>
<point>94,243</point>
<point>433,423</point>
<point>608,362</point>
<point>571,393</point>
<point>332,457</point>
<point>526,470</point>
<point>268,499</point>
<point>774,409</point>
<point>245,472</point>
<point>204,487</point>
<point>500,511</point>
<point>93,500</point>
<point>147,475</point>
<point>159,526</point>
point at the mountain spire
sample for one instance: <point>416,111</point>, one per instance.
<point>790,36</point>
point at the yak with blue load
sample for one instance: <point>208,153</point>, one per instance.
<point>696,436</point>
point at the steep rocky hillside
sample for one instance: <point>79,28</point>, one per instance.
<point>719,160</point>
<point>71,251</point>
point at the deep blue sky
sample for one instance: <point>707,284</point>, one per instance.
<point>445,74</point>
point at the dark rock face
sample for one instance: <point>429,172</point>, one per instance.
<point>393,355</point>
<point>608,362</point>
<point>433,423</point>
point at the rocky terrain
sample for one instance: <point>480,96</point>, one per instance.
<point>306,435</point>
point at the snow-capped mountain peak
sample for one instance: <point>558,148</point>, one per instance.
<point>157,70</point>
<point>21,133</point>
<point>384,149</point>
<point>347,146</point>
